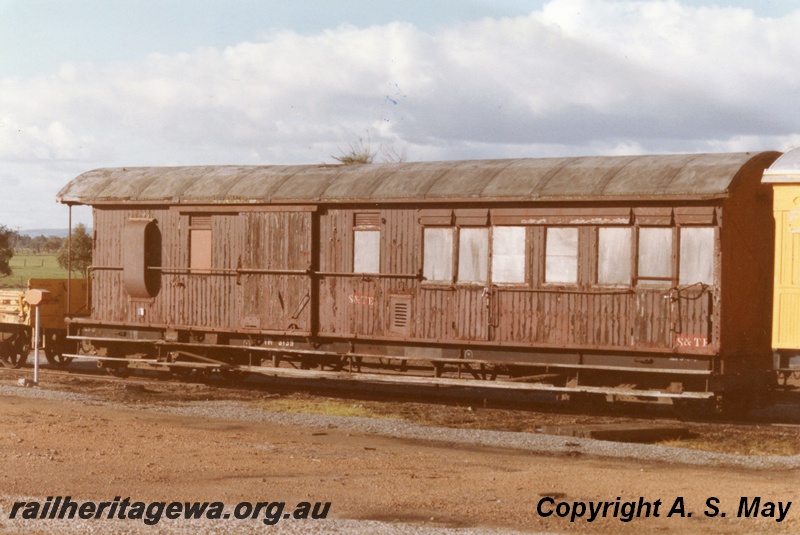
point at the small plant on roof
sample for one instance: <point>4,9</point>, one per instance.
<point>392,155</point>
<point>360,152</point>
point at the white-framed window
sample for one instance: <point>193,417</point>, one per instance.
<point>561,255</point>
<point>473,255</point>
<point>614,255</point>
<point>437,254</point>
<point>697,255</point>
<point>366,251</point>
<point>367,242</point>
<point>508,255</point>
<point>655,255</point>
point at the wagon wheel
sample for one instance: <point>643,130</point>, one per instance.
<point>54,348</point>
<point>57,359</point>
<point>735,404</point>
<point>117,369</point>
<point>693,409</point>
<point>200,374</point>
<point>232,376</point>
<point>14,351</point>
<point>10,360</point>
<point>9,357</point>
<point>14,355</point>
<point>586,400</point>
<point>180,372</point>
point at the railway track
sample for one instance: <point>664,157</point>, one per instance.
<point>775,430</point>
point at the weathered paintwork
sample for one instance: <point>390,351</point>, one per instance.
<point>281,247</point>
<point>598,178</point>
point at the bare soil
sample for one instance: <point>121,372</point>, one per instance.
<point>97,451</point>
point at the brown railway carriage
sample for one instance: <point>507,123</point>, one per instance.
<point>641,275</point>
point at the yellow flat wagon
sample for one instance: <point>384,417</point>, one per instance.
<point>17,320</point>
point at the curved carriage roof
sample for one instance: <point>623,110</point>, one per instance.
<point>784,169</point>
<point>593,178</point>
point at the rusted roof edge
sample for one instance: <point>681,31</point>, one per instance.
<point>464,200</point>
<point>89,188</point>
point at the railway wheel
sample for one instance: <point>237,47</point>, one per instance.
<point>180,372</point>
<point>694,409</point>
<point>118,370</point>
<point>585,401</point>
<point>12,359</point>
<point>57,359</point>
<point>54,347</point>
<point>115,365</point>
<point>14,352</point>
<point>734,405</point>
<point>190,375</point>
<point>232,376</point>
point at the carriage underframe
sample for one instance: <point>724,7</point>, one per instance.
<point>688,382</point>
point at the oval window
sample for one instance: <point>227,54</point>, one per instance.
<point>142,258</point>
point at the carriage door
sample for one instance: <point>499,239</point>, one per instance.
<point>275,271</point>
<point>472,284</point>
<point>694,300</point>
<point>455,293</point>
<point>472,290</point>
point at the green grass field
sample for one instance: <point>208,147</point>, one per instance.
<point>32,266</point>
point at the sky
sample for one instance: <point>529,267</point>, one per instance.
<point>120,83</point>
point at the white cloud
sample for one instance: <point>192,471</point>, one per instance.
<point>46,142</point>
<point>577,77</point>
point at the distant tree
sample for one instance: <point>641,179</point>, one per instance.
<point>81,251</point>
<point>21,241</point>
<point>38,243</point>
<point>6,249</point>
<point>54,244</point>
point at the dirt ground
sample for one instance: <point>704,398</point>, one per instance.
<point>98,452</point>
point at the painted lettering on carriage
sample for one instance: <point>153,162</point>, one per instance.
<point>691,340</point>
<point>281,343</point>
<point>360,299</point>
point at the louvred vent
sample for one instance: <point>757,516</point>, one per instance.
<point>368,219</point>
<point>400,308</point>
<point>200,221</point>
<point>401,315</point>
